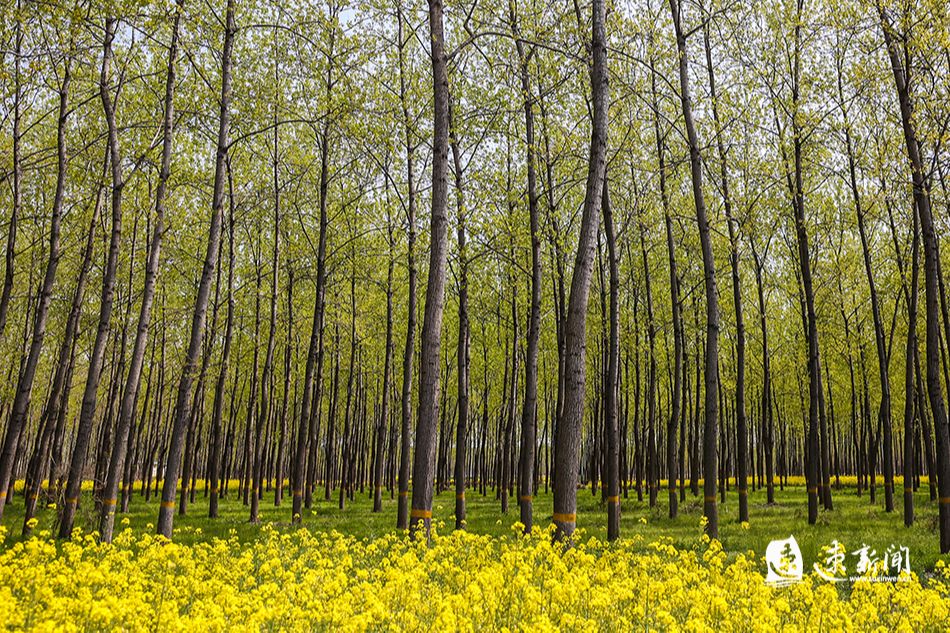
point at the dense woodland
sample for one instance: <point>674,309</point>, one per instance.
<point>305,249</point>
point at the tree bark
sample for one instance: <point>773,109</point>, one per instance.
<point>387,384</point>
<point>567,442</point>
<point>24,387</point>
<point>742,441</point>
<point>84,430</point>
<point>423,469</point>
<point>402,519</point>
<point>182,413</point>
<point>10,252</point>
<point>215,458</point>
<point>133,380</point>
<point>611,387</point>
<point>463,348</point>
<point>529,426</point>
<point>711,425</point>
<point>921,190</point>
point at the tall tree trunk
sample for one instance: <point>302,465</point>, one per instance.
<point>402,518</point>
<point>87,413</point>
<point>931,281</point>
<point>649,452</point>
<point>182,414</point>
<point>909,381</point>
<point>387,382</point>
<point>349,413</point>
<point>711,425</point>
<point>423,469</point>
<point>24,389</point>
<point>215,458</point>
<point>767,424</point>
<point>133,380</point>
<point>742,441</point>
<point>611,388</point>
<point>884,413</point>
<point>567,442</point>
<point>10,251</point>
<point>529,424</point>
<point>794,181</point>
<point>462,351</point>
<point>676,396</point>
<point>305,469</point>
<point>261,440</point>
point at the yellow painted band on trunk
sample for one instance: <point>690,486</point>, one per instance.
<point>460,496</point>
<point>710,499</point>
<point>563,517</point>
<point>613,499</point>
<point>526,498</point>
<point>108,502</point>
<point>168,504</point>
<point>403,493</point>
<point>420,514</point>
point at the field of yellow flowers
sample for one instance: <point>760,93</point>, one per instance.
<point>300,580</point>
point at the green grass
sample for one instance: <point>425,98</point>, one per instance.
<point>854,521</point>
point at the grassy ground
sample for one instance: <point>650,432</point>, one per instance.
<point>854,522</point>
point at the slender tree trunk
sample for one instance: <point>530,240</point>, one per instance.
<point>711,426</point>
<point>215,457</point>
<point>575,336</point>
<point>182,414</point>
<point>402,519</point>
<point>742,441</point>
<point>308,432</point>
<point>529,425</point>
<point>263,414</point>
<point>884,413</point>
<point>423,469</point>
<point>767,424</point>
<point>21,401</point>
<point>387,385</point>
<point>931,281</point>
<point>611,388</point>
<point>133,380</point>
<point>676,396</point>
<point>87,413</point>
<point>349,413</point>
<point>463,348</point>
<point>10,252</point>
<point>909,384</point>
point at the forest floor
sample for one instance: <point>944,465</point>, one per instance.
<point>854,522</point>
